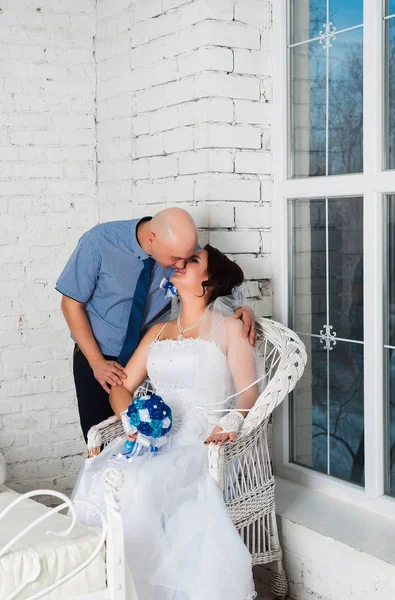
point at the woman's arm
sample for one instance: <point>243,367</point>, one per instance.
<point>135,371</point>
<point>242,365</point>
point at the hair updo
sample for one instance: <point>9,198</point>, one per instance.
<point>223,274</point>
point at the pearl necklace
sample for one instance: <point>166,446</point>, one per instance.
<point>183,330</point>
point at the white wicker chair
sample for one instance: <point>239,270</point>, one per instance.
<point>243,470</point>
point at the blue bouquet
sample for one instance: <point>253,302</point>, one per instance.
<point>151,418</point>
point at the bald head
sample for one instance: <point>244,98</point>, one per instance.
<point>172,236</point>
<point>175,226</point>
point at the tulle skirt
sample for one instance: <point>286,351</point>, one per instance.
<point>179,539</point>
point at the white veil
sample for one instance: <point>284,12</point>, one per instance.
<point>246,368</point>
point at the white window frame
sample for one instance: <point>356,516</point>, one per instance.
<point>373,185</point>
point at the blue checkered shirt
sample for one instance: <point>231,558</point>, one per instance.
<point>102,273</point>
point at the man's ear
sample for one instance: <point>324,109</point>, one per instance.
<point>151,238</point>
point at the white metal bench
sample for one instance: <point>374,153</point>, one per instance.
<point>107,542</point>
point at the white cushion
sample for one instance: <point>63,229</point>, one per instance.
<point>53,556</point>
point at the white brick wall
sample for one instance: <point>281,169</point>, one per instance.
<point>47,198</point>
<point>195,77</point>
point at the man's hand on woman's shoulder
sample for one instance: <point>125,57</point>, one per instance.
<point>246,314</point>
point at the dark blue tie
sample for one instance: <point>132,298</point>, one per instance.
<point>136,312</point>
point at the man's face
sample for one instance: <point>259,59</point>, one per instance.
<point>172,256</point>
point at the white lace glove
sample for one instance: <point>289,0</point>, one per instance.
<point>127,427</point>
<point>231,422</point>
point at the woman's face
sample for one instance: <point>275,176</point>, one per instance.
<point>191,277</point>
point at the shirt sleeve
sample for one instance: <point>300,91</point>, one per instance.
<point>79,277</point>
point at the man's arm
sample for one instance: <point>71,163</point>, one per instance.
<point>105,371</point>
<point>77,283</point>
<point>135,373</point>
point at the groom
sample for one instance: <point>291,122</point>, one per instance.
<point>111,294</point>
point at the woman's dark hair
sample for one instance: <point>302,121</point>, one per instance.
<point>223,274</point>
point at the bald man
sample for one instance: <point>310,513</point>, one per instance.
<point>111,294</point>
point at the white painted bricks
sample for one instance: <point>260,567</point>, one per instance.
<point>47,187</point>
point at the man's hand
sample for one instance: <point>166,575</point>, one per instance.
<point>246,314</point>
<point>108,372</point>
<point>218,436</point>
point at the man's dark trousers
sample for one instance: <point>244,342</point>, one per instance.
<point>93,400</point>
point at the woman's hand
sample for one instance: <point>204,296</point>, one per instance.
<point>132,437</point>
<point>246,314</point>
<point>218,436</point>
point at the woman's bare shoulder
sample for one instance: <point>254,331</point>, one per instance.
<point>156,329</point>
<point>234,326</point>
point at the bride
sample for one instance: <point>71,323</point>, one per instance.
<point>180,542</point>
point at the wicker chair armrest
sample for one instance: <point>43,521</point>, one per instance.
<point>289,369</point>
<point>219,456</point>
<point>103,432</point>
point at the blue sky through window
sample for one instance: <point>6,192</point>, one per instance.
<point>309,23</point>
<point>345,14</point>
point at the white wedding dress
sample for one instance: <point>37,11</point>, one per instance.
<point>180,541</point>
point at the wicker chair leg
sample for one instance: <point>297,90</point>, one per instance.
<point>279,581</point>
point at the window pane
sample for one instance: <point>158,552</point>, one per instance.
<point>307,19</point>
<point>345,97</point>
<point>345,231</point>
<point>390,129</point>
<point>345,14</point>
<point>326,284</point>
<point>346,412</point>
<point>390,388</point>
<point>389,340</point>
<point>308,118</point>
<point>327,265</point>
<point>327,92</point>
<point>309,416</point>
<point>391,271</point>
<point>390,7</point>
<point>309,266</point>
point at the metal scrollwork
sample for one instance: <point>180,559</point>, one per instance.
<point>328,337</point>
<point>327,35</point>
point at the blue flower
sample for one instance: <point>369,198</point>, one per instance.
<point>134,419</point>
<point>158,414</point>
<point>144,428</point>
<point>154,401</point>
<point>157,431</point>
<point>132,409</point>
<point>150,403</point>
<point>157,398</point>
<point>138,403</point>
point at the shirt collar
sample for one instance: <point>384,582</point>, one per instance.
<point>135,246</point>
